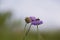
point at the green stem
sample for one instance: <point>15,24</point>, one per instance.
<point>25,27</point>
<point>37,33</point>
<point>27,32</point>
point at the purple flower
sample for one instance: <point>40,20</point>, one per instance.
<point>32,18</point>
<point>33,21</point>
<point>37,22</point>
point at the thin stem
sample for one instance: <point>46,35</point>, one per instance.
<point>27,32</point>
<point>37,33</point>
<point>25,26</point>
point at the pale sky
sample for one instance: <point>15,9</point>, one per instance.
<point>46,10</point>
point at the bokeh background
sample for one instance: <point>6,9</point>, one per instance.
<point>13,13</point>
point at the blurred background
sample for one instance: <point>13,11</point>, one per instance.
<point>13,13</point>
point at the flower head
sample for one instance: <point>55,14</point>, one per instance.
<point>33,21</point>
<point>29,19</point>
<point>37,22</point>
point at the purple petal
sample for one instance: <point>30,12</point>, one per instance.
<point>37,22</point>
<point>32,18</point>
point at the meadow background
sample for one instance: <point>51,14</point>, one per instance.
<point>13,30</point>
<point>13,13</point>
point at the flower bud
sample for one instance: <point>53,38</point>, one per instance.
<point>27,20</point>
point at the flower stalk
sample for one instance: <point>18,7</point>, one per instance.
<point>25,27</point>
<point>33,21</point>
<point>37,33</point>
<point>27,33</point>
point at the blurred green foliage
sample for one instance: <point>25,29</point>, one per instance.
<point>4,17</point>
<point>6,34</point>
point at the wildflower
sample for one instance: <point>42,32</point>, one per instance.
<point>33,21</point>
<point>37,22</point>
<point>29,20</point>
